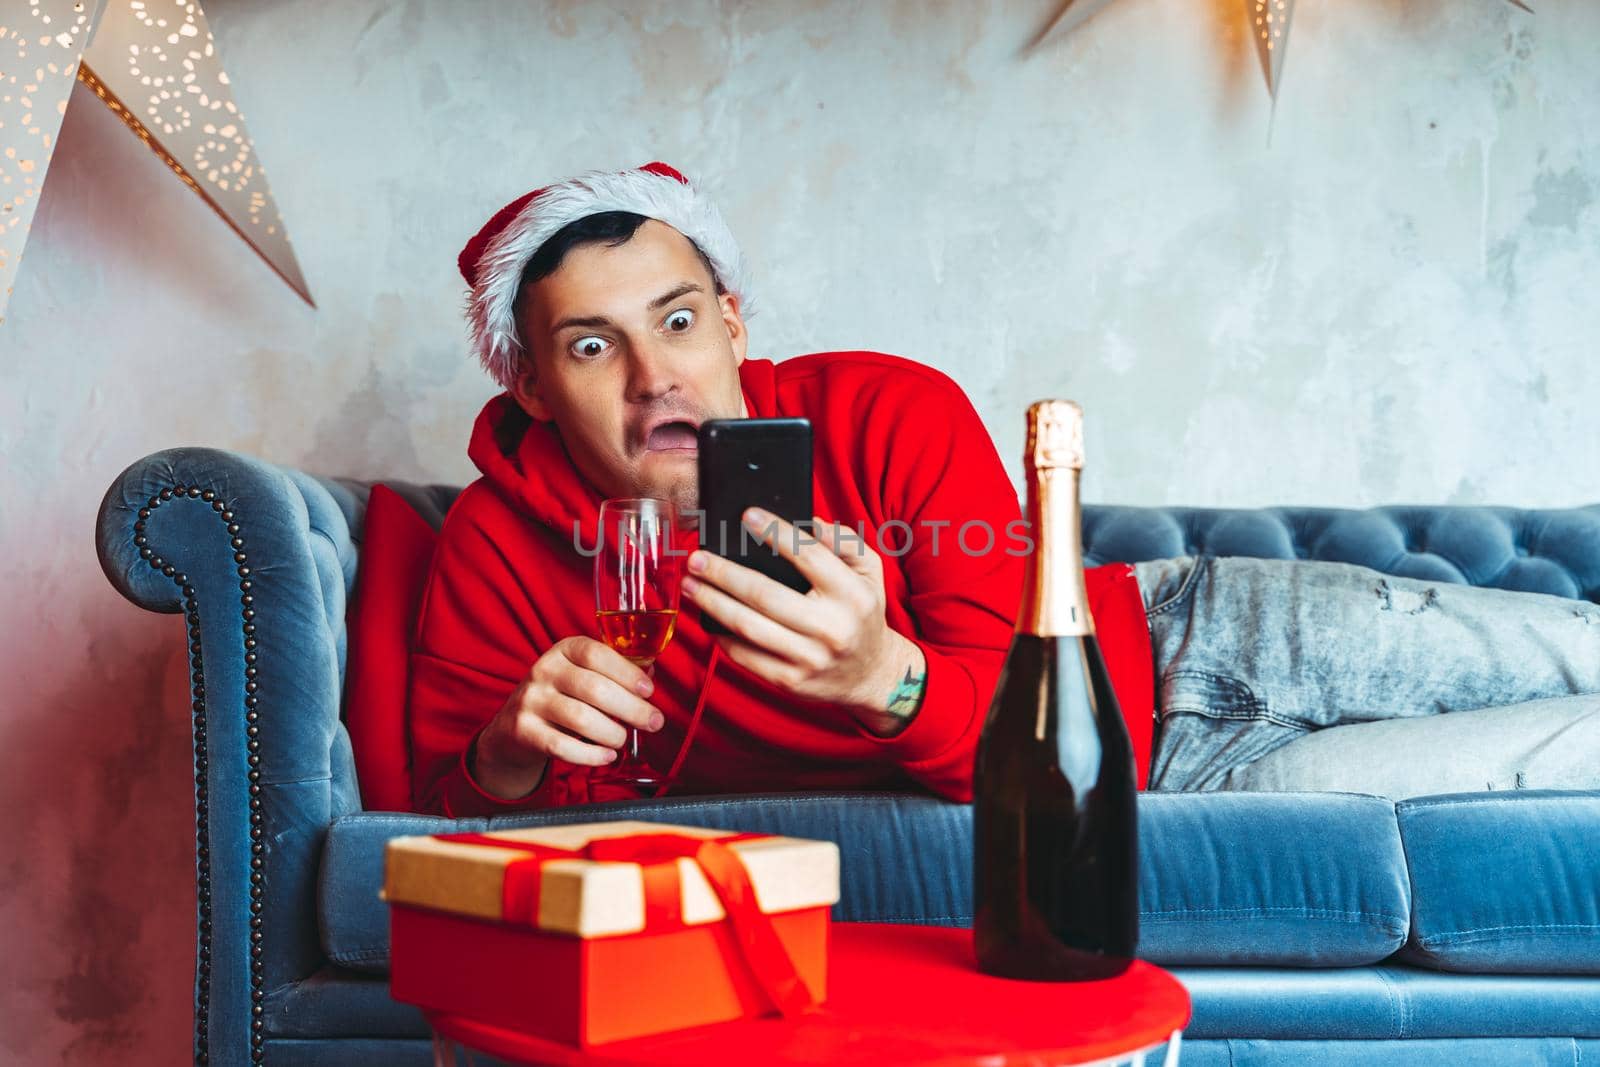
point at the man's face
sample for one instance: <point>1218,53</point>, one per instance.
<point>628,349</point>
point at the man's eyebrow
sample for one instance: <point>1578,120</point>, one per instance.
<point>674,293</point>
<point>597,322</point>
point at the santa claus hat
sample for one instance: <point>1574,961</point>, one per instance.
<point>493,261</point>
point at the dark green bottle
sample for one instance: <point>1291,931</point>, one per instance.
<point>1055,830</point>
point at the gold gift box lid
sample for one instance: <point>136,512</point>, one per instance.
<point>591,898</point>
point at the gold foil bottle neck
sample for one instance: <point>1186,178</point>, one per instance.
<point>1054,599</point>
<point>1055,435</point>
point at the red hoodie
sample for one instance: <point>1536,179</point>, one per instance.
<point>893,440</point>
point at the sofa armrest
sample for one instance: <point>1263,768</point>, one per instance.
<point>258,559</point>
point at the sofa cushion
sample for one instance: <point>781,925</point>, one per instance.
<point>903,858</point>
<point>396,551</point>
<point>1385,1002</point>
<point>1504,882</point>
<point>1296,879</point>
<point>1269,879</point>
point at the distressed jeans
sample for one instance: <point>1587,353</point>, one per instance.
<point>1251,654</point>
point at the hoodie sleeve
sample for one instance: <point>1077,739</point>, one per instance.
<point>472,648</point>
<point>941,476</point>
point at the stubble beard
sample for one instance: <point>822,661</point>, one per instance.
<point>684,493</point>
<point>682,488</point>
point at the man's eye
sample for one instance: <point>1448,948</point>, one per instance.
<point>588,347</point>
<point>680,320</point>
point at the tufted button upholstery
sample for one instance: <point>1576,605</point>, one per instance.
<point>1554,551</point>
<point>1547,551</point>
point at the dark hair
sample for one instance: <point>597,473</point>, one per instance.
<point>610,228</point>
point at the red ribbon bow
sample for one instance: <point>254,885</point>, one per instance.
<point>657,855</point>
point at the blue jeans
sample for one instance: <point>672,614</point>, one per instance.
<point>1251,654</point>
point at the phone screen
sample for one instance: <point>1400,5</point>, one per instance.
<point>744,463</point>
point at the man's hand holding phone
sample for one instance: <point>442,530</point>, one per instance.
<point>831,645</point>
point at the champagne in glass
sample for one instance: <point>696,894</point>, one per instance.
<point>636,579</point>
<point>641,636</point>
<point>1056,880</point>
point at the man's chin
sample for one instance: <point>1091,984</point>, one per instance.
<point>672,478</point>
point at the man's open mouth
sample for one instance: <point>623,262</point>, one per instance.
<point>680,434</point>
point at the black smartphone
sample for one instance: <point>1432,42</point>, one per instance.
<point>745,463</point>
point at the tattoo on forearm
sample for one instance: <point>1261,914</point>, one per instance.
<point>906,697</point>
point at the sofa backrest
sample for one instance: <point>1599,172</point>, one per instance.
<point>1546,551</point>
<point>1554,551</point>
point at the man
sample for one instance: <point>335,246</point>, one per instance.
<point>611,309</point>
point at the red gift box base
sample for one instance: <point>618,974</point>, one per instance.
<point>587,992</point>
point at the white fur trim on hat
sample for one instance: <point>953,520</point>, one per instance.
<point>655,196</point>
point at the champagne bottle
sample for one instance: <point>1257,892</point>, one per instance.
<point>1056,881</point>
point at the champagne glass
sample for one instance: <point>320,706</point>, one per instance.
<point>637,573</point>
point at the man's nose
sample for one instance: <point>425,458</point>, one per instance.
<point>650,372</point>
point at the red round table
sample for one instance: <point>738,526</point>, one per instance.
<point>896,995</point>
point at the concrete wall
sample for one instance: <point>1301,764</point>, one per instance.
<point>1391,299</point>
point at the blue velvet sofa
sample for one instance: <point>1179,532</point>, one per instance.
<point>1324,929</point>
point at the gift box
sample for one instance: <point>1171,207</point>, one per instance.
<point>598,932</point>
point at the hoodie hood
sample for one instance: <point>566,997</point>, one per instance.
<point>528,466</point>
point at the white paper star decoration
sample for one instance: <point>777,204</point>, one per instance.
<point>1268,22</point>
<point>154,64</point>
<point>1269,26</point>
